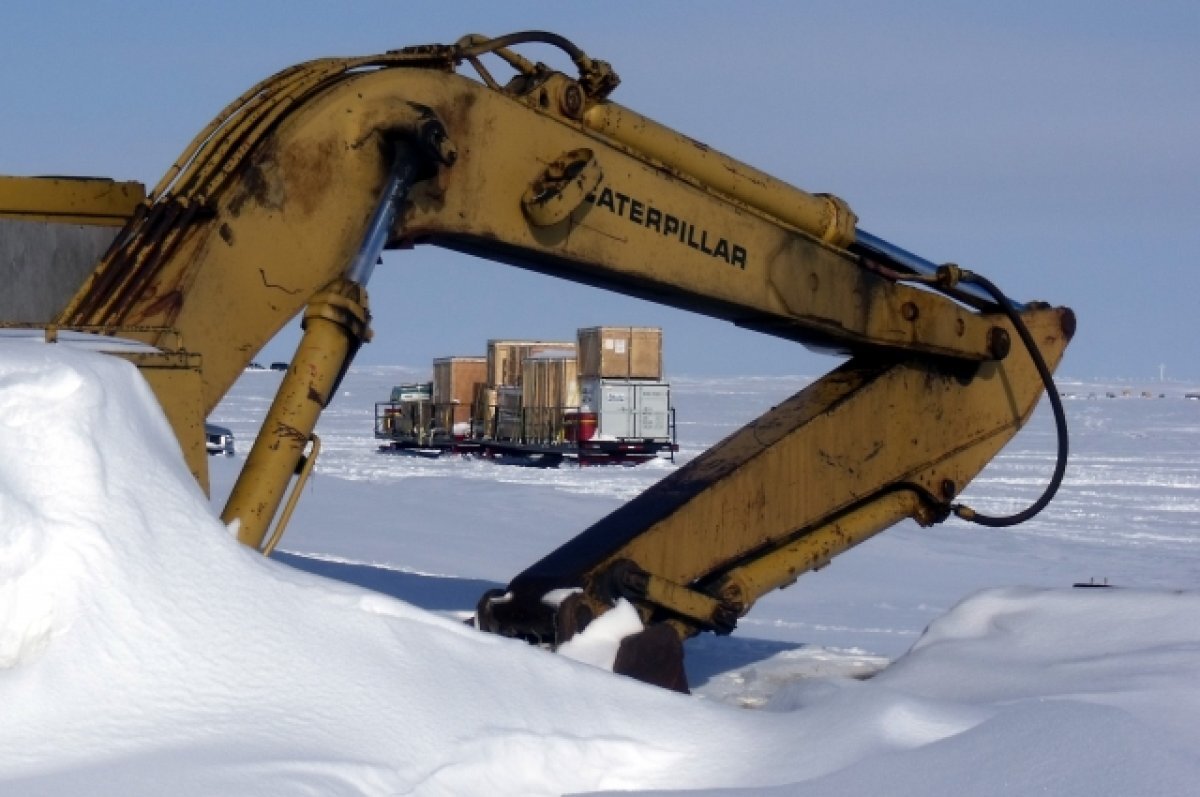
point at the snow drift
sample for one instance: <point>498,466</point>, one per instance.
<point>143,650</point>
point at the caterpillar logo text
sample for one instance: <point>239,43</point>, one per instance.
<point>646,215</point>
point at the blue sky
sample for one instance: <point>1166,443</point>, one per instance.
<point>1049,146</point>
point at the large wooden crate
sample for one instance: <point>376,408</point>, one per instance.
<point>505,357</point>
<point>550,382</point>
<point>456,385</point>
<point>620,352</point>
<point>549,387</point>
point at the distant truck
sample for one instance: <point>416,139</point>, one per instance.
<point>598,400</point>
<point>218,440</point>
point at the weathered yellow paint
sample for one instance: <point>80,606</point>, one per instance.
<point>335,323</point>
<point>174,376</point>
<point>70,200</point>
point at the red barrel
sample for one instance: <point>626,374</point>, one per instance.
<point>579,427</point>
<point>587,426</point>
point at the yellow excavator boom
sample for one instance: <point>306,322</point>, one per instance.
<point>284,202</point>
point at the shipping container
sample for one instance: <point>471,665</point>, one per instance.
<point>505,357</point>
<point>620,352</point>
<point>627,408</point>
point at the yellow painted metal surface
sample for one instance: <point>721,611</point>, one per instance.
<point>824,216</point>
<point>175,379</point>
<point>335,323</point>
<point>875,441</point>
<point>70,200</point>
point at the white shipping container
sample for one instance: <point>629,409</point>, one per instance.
<point>627,408</point>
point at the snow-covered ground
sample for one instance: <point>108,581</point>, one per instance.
<point>143,651</point>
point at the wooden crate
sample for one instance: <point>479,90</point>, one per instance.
<point>550,382</point>
<point>456,385</point>
<point>505,357</point>
<point>509,422</point>
<point>620,352</point>
<point>407,419</point>
<point>549,387</point>
<point>484,413</point>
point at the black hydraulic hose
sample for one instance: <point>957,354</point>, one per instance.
<point>1060,418</point>
<point>526,37</point>
<point>596,77</point>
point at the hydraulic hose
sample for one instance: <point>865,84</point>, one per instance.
<point>1060,419</point>
<point>596,77</point>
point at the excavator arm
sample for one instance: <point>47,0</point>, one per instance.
<point>284,202</point>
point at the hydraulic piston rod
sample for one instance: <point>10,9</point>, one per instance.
<point>821,215</point>
<point>336,323</point>
<point>875,246</point>
<point>400,180</point>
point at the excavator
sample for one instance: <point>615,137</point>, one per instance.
<point>284,203</point>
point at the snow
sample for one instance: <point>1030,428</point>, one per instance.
<point>143,650</point>
<point>598,643</point>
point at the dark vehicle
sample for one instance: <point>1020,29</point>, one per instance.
<point>279,366</point>
<point>218,439</point>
